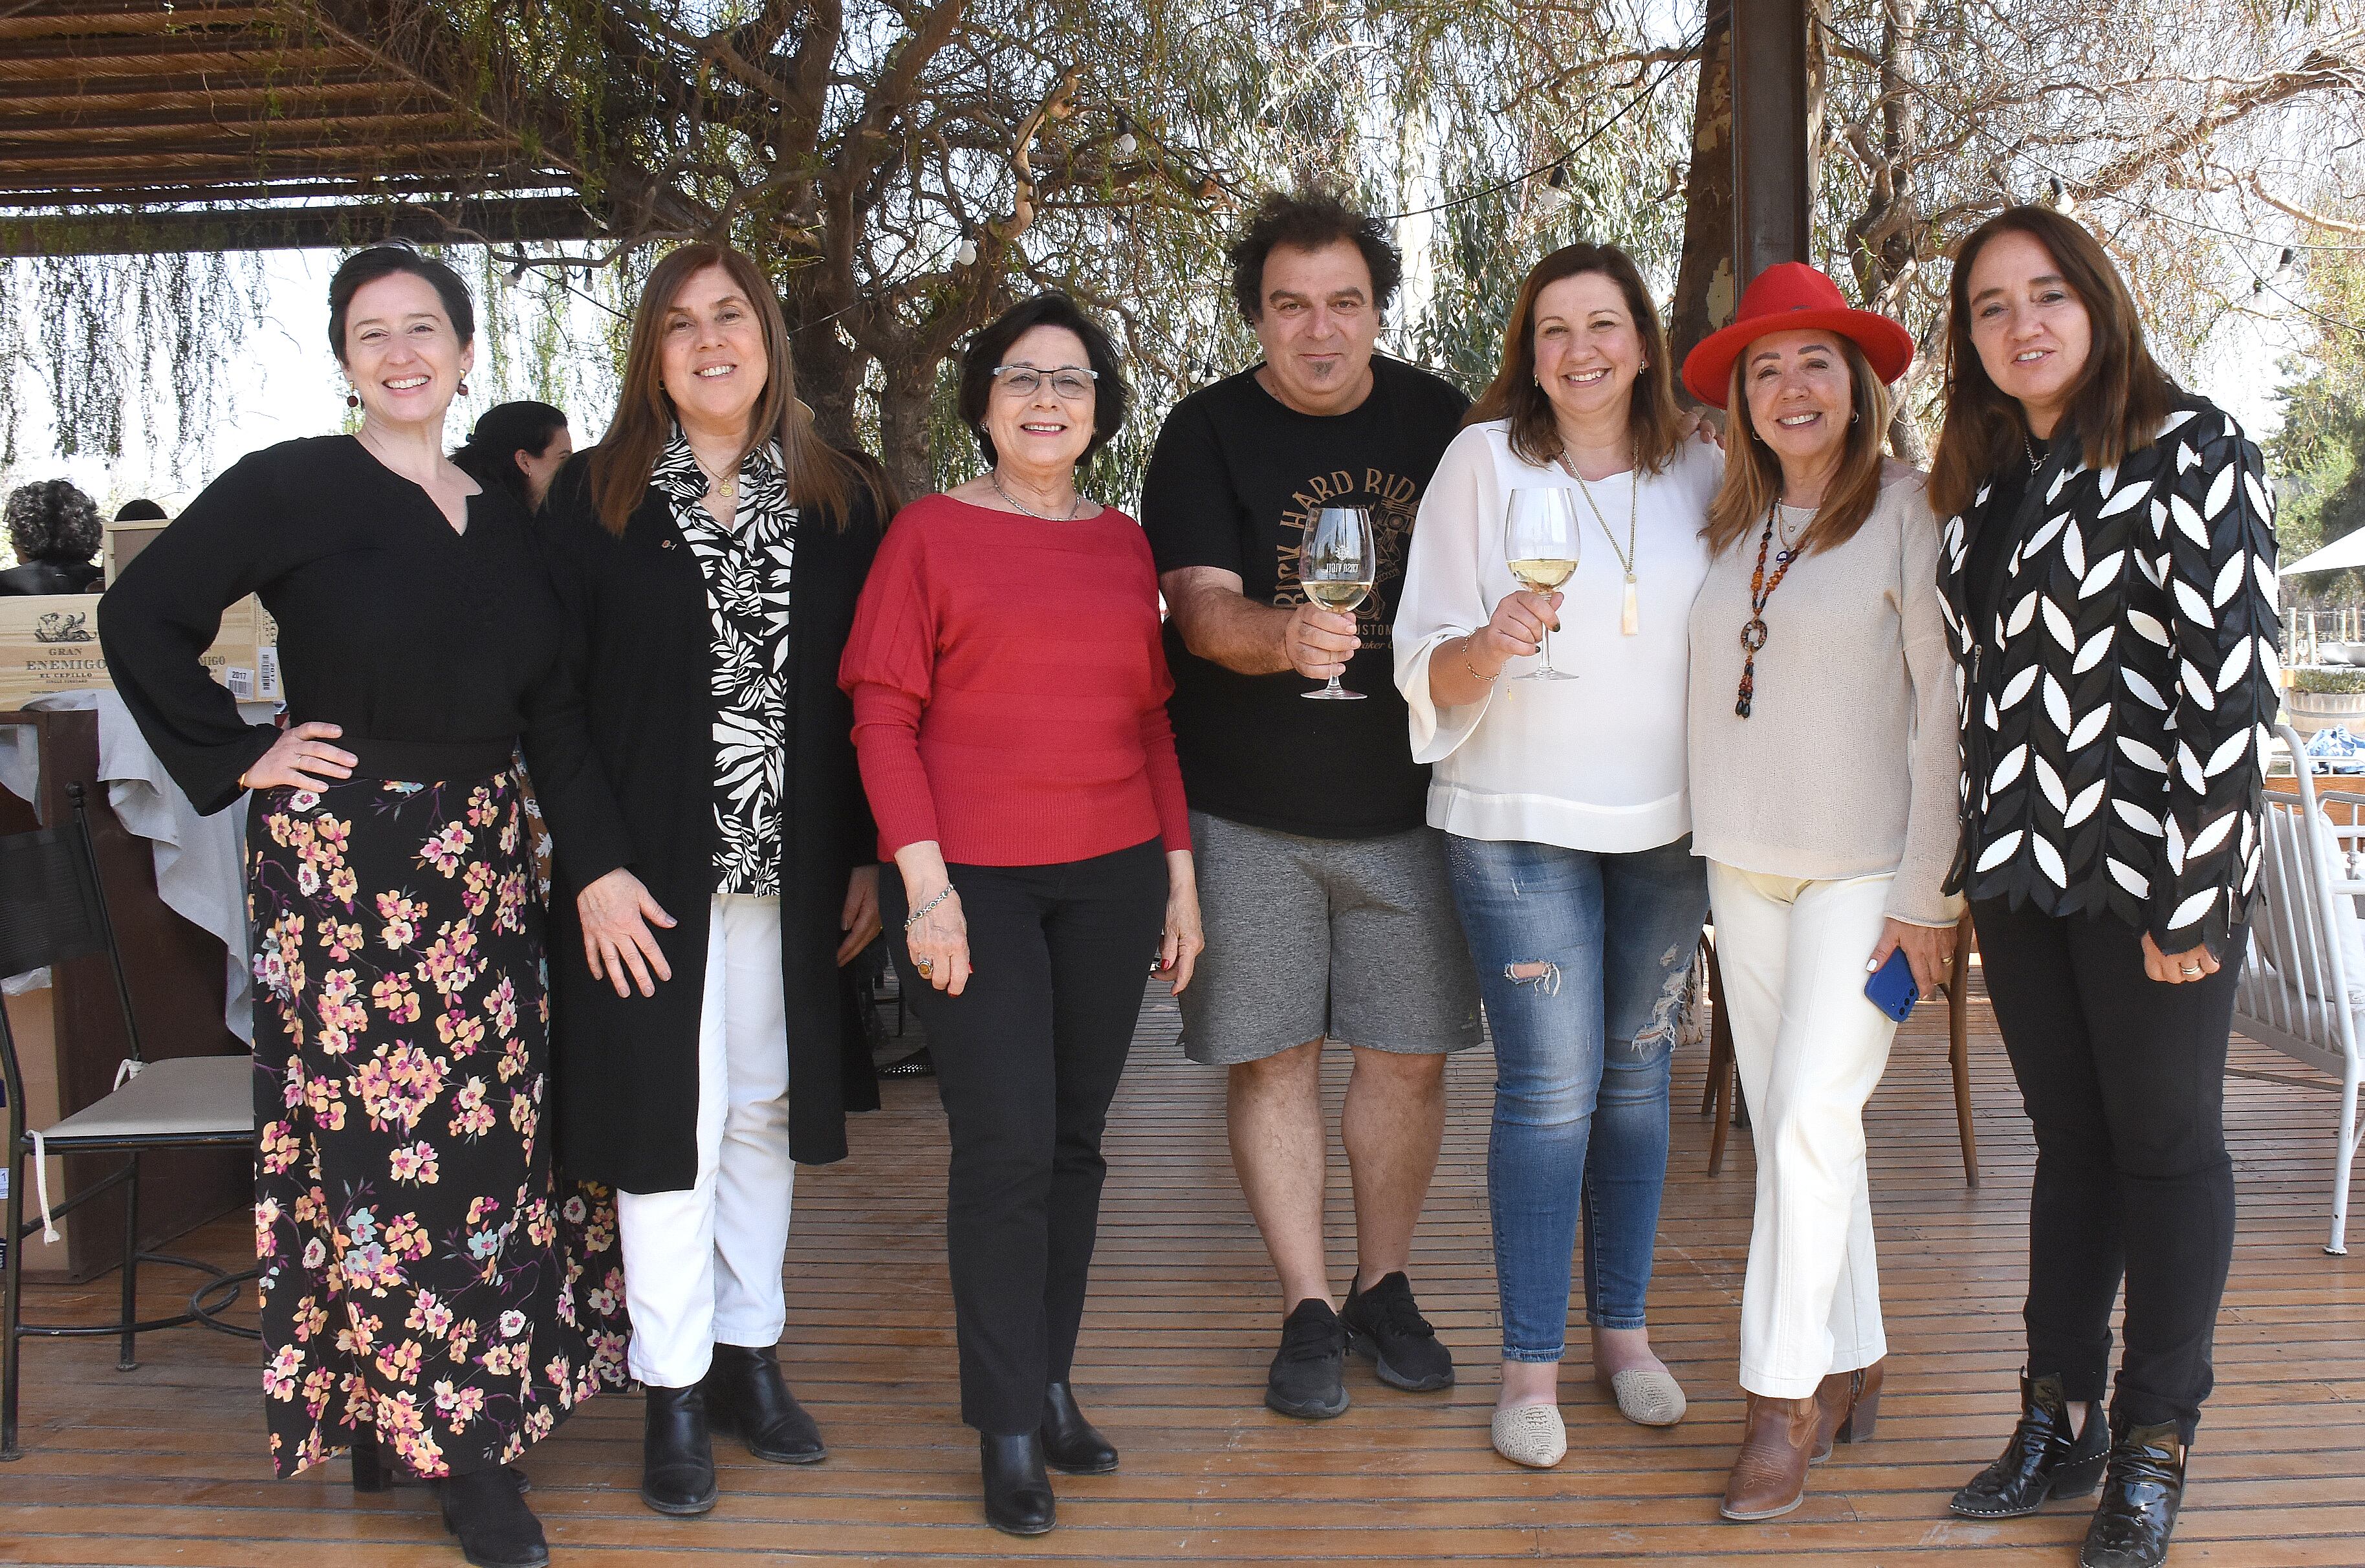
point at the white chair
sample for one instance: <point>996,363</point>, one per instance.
<point>2302,992</point>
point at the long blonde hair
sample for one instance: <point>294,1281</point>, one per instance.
<point>1753,473</point>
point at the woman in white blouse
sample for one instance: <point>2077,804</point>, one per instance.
<point>1823,794</point>
<point>1564,806</point>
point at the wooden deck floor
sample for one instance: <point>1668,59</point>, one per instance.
<point>162,1465</point>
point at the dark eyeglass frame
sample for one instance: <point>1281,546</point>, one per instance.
<point>1052,375</point>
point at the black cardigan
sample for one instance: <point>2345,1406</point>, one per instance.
<point>2114,710</point>
<point>639,654</point>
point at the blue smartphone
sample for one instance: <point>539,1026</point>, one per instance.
<point>1891,987</point>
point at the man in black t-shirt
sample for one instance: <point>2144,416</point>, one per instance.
<point>1328,911</point>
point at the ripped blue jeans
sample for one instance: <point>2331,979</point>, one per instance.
<point>1581,1049</point>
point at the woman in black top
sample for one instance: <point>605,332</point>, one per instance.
<point>718,863</point>
<point>430,1290</point>
<point>518,447</point>
<point>55,531</point>
<point>2108,565</point>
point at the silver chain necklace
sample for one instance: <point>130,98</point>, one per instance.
<point>994,479</point>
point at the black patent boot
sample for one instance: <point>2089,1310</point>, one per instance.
<point>745,1393</point>
<point>676,1454</point>
<point>2140,1496</point>
<point>1070,1442</point>
<point>495,1526</point>
<point>2042,1460</point>
<point>1017,1493</point>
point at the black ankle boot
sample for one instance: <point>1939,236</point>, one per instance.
<point>495,1526</point>
<point>2042,1460</point>
<point>1017,1493</point>
<point>1071,1443</point>
<point>2140,1496</point>
<point>745,1393</point>
<point>677,1455</point>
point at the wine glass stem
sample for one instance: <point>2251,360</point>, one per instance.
<point>1548,664</point>
<point>1333,685</point>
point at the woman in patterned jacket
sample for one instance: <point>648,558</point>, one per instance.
<point>2108,565</point>
<point>715,867</point>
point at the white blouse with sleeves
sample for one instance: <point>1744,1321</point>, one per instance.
<point>1597,763</point>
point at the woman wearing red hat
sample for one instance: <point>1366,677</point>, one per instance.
<point>1823,782</point>
<point>2109,570</point>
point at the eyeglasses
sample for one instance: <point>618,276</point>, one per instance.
<point>1072,383</point>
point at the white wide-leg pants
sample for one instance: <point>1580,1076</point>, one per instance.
<point>1811,1049</point>
<point>702,1267</point>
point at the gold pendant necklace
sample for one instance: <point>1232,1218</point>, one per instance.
<point>1629,611</point>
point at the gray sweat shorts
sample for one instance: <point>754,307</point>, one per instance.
<point>1353,940</point>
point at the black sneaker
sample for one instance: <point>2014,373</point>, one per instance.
<point>1307,1379</point>
<point>1385,1324</point>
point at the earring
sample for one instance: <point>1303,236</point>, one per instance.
<point>353,400</point>
<point>463,388</point>
<point>1857,417</point>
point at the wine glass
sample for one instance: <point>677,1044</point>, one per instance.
<point>1541,539</point>
<point>1337,566</point>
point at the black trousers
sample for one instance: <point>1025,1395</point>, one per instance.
<point>1027,1059</point>
<point>2124,1081</point>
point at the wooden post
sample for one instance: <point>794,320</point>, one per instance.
<point>1772,196</point>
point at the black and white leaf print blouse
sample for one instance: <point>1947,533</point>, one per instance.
<point>747,569</point>
<point>2116,710</point>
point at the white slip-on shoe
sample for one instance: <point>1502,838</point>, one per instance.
<point>1533,1435</point>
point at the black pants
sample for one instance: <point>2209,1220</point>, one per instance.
<point>1027,1059</point>
<point>2124,1081</point>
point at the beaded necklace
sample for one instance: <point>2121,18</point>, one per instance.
<point>1761,590</point>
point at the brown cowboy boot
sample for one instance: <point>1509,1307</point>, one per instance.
<point>1777,1443</point>
<point>1851,1404</point>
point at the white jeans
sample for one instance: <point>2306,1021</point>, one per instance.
<point>1811,1049</point>
<point>703,1266</point>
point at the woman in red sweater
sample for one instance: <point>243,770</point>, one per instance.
<point>1010,716</point>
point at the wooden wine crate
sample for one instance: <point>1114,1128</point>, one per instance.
<point>48,643</point>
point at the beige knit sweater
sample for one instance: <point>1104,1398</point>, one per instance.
<point>1847,765</point>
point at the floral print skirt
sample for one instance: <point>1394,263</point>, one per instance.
<point>426,1274</point>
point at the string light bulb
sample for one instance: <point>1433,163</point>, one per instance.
<point>965,253</point>
<point>516,277</point>
<point>1127,143</point>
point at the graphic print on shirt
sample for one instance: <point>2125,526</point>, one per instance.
<point>747,568</point>
<point>1393,500</point>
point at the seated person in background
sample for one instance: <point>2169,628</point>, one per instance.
<point>55,529</point>
<point>142,511</point>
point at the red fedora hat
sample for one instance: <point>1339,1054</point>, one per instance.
<point>1791,296</point>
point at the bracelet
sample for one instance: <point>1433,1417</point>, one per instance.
<point>921,913</point>
<point>1482,680</point>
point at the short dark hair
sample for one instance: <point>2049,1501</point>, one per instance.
<point>983,357</point>
<point>1310,220</point>
<point>142,511</point>
<point>489,455</point>
<point>52,519</point>
<point>365,267</point>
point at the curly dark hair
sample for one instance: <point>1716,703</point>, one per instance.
<point>49,519</point>
<point>1310,220</point>
<point>983,357</point>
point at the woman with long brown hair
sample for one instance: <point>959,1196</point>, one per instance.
<point>714,860</point>
<point>1823,783</point>
<point>2108,565</point>
<point>1563,805</point>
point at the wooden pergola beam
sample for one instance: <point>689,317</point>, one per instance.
<point>1773,195</point>
<point>499,220</point>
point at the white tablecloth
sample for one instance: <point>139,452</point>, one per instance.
<point>200,861</point>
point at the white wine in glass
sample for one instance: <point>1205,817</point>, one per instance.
<point>1542,541</point>
<point>1337,566</point>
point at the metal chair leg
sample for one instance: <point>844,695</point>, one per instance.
<point>11,1287</point>
<point>128,1357</point>
<point>1721,1066</point>
<point>1958,1046</point>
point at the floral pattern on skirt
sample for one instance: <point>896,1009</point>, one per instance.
<point>425,1272</point>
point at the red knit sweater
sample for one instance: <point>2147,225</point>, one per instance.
<point>1010,688</point>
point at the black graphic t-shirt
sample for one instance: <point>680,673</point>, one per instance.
<point>1236,476</point>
